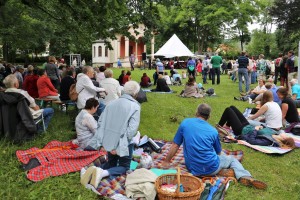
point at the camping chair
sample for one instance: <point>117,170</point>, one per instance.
<point>39,120</point>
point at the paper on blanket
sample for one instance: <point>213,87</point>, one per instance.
<point>144,140</point>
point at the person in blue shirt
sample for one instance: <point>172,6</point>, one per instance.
<point>202,150</point>
<point>191,67</point>
<point>295,89</point>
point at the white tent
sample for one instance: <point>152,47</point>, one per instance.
<point>174,48</point>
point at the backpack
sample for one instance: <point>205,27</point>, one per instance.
<point>191,67</point>
<point>210,91</point>
<point>72,92</point>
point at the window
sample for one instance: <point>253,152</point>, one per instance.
<point>94,51</point>
<point>106,51</point>
<point>99,51</point>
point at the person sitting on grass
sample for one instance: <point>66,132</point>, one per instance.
<point>288,107</point>
<point>258,135</point>
<point>85,123</point>
<point>191,89</point>
<point>127,77</point>
<point>271,111</point>
<point>167,78</point>
<point>12,84</point>
<point>120,79</point>
<point>145,81</point>
<point>202,150</point>
<point>258,90</point>
<point>162,85</point>
<point>117,126</point>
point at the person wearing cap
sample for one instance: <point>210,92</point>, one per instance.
<point>202,150</point>
<point>159,67</point>
<point>19,74</point>
<point>295,89</point>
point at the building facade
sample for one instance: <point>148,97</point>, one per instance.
<point>123,47</point>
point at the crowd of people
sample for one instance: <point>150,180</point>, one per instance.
<point>109,114</point>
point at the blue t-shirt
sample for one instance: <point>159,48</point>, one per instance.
<point>296,90</point>
<point>201,146</point>
<point>160,66</point>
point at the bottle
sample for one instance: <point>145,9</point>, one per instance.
<point>154,146</point>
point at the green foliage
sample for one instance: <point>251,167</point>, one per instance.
<point>281,173</point>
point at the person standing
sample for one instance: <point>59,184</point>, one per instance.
<point>205,69</point>
<point>132,60</point>
<point>159,67</point>
<point>290,66</point>
<point>243,63</point>
<point>52,71</point>
<point>277,67</point>
<point>216,62</point>
<point>191,67</point>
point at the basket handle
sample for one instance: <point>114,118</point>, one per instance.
<point>178,180</point>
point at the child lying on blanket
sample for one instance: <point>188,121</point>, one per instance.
<point>233,118</point>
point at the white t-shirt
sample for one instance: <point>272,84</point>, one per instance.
<point>168,80</point>
<point>273,115</point>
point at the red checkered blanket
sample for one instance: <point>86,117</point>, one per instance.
<point>56,158</point>
<point>116,186</point>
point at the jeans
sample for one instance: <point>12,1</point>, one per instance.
<point>100,108</point>
<point>231,162</point>
<point>47,113</point>
<point>243,72</point>
<point>215,71</point>
<point>117,165</point>
<point>204,75</point>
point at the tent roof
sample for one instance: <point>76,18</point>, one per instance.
<point>173,48</point>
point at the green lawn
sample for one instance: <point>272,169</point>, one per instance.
<point>281,173</point>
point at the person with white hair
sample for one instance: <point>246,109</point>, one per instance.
<point>12,84</point>
<point>117,126</point>
<point>111,86</point>
<point>86,89</point>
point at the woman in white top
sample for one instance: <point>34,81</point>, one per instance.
<point>85,123</point>
<point>271,111</point>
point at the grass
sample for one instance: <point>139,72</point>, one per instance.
<point>281,173</point>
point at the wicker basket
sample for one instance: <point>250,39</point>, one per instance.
<point>192,186</point>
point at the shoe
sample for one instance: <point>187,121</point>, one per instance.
<point>226,173</point>
<point>222,131</point>
<point>237,98</point>
<point>96,177</point>
<point>243,93</point>
<point>248,181</point>
<point>86,175</point>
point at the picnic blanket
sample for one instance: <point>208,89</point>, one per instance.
<point>148,90</point>
<point>265,149</point>
<point>115,186</point>
<point>272,150</point>
<point>56,158</point>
